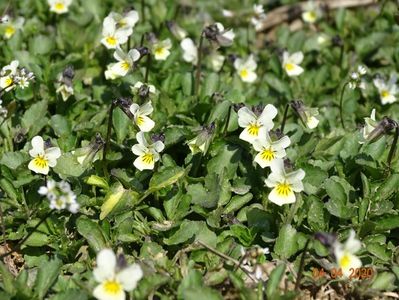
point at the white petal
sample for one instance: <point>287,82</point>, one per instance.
<point>134,108</point>
<point>295,176</point>
<point>134,55</point>
<point>284,142</point>
<point>37,146</point>
<point>296,58</point>
<point>141,165</point>
<point>53,153</point>
<point>352,244</point>
<point>38,168</point>
<point>146,109</point>
<point>277,167</point>
<point>268,114</point>
<point>101,293</point>
<point>245,117</point>
<point>281,200</point>
<point>274,178</point>
<point>238,63</point>
<point>251,63</point>
<point>120,68</point>
<point>250,138</point>
<point>119,55</point>
<point>158,146</point>
<point>108,26</point>
<point>139,149</point>
<point>129,277</point>
<point>106,263</point>
<point>312,122</point>
<point>144,123</point>
<point>293,70</point>
<point>140,137</point>
<point>263,163</point>
<point>250,76</point>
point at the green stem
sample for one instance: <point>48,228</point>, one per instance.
<point>287,106</point>
<point>108,138</point>
<point>147,68</point>
<point>143,10</point>
<point>341,113</point>
<point>301,265</point>
<point>227,121</point>
<point>393,147</point>
<point>198,73</point>
<point>18,246</point>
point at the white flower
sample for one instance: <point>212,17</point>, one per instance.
<point>310,117</point>
<point>387,90</point>
<point>125,21</point>
<point>42,158</point>
<point>161,49</point>
<point>147,154</point>
<point>224,37</point>
<point>7,75</point>
<point>66,91</point>
<point>139,84</point>
<point>356,80</point>
<point>12,26</point>
<point>284,185</point>
<point>124,64</point>
<point>258,19</point>
<point>60,195</point>
<point>113,37</point>
<point>190,51</point>
<point>194,148</point>
<point>216,60</point>
<point>291,63</point>
<point>370,125</point>
<point>113,279</point>
<point>227,13</point>
<point>270,150</point>
<point>23,77</point>
<point>311,12</point>
<point>140,114</point>
<point>344,254</point>
<point>256,127</point>
<point>59,6</point>
<point>246,69</point>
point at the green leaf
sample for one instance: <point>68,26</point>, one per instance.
<point>14,159</point>
<point>272,286</point>
<point>316,216</point>
<point>384,281</point>
<point>98,181</point>
<point>226,161</point>
<point>46,276</point>
<point>41,44</point>
<point>7,279</point>
<point>189,229</point>
<point>34,118</point>
<point>286,242</point>
<point>210,85</point>
<point>121,123</point>
<point>237,202</point>
<point>338,204</point>
<point>68,166</point>
<point>92,232</point>
<point>166,177</point>
<point>61,125</point>
<point>387,223</point>
<point>111,200</point>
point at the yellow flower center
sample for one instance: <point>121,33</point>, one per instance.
<point>125,65</point>
<point>8,81</point>
<point>312,16</point>
<point>253,129</point>
<point>148,158</point>
<point>345,261</point>
<point>59,6</point>
<point>283,189</point>
<point>139,120</point>
<point>40,161</point>
<point>267,154</point>
<point>289,67</point>
<point>111,40</point>
<point>384,93</point>
<point>159,51</point>
<point>112,287</point>
<point>122,23</point>
<point>244,73</point>
<point>10,30</point>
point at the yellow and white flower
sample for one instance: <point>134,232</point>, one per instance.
<point>202,141</point>
<point>369,126</point>
<point>161,49</point>
<point>125,21</point>
<point>190,51</point>
<point>65,91</point>
<point>148,154</point>
<point>269,151</point>
<point>124,64</point>
<point>256,126</point>
<point>11,26</point>
<point>345,254</point>
<point>291,63</point>
<point>387,90</point>
<point>112,36</point>
<point>140,114</point>
<point>311,12</point>
<point>114,278</point>
<point>59,6</point>
<point>284,185</point>
<point>246,69</point>
<point>43,158</point>
<point>224,37</point>
<point>8,74</point>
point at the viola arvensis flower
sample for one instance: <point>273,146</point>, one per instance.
<point>140,114</point>
<point>148,154</point>
<point>43,158</point>
<point>190,51</point>
<point>124,64</point>
<point>345,254</point>
<point>112,36</point>
<point>11,26</point>
<point>268,150</point>
<point>246,69</point>
<point>387,90</point>
<point>60,195</point>
<point>59,6</point>
<point>311,12</point>
<point>256,126</point>
<point>284,185</point>
<point>115,276</point>
<point>291,63</point>
<point>161,49</point>
<point>355,78</point>
<point>125,21</point>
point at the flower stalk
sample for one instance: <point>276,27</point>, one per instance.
<point>341,99</point>
<point>198,72</point>
<point>393,146</point>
